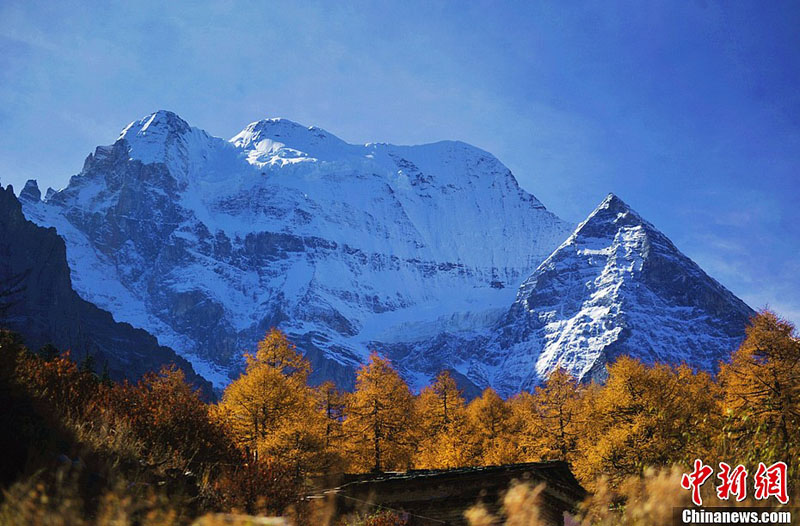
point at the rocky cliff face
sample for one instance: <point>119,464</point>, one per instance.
<point>41,305</point>
<point>416,251</point>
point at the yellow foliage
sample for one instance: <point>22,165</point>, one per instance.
<point>441,423</point>
<point>761,386</point>
<point>379,419</point>
<point>645,416</point>
<point>521,505</point>
<point>277,352</point>
<point>493,430</point>
<point>611,434</point>
<point>272,412</point>
<point>331,402</point>
<point>551,420</point>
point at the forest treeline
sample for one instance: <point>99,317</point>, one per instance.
<point>271,434</point>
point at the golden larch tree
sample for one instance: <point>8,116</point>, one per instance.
<point>551,420</point>
<point>491,427</point>
<point>645,416</point>
<point>271,411</point>
<point>761,387</point>
<point>441,423</point>
<point>378,419</point>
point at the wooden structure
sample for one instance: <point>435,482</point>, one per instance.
<point>440,497</point>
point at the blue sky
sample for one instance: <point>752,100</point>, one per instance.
<point>689,111</point>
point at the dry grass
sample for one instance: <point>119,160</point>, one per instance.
<point>38,501</point>
<point>640,501</point>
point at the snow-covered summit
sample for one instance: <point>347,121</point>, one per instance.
<point>206,242</point>
<point>267,139</point>
<point>150,138</point>
<point>156,125</point>
<point>616,286</point>
<point>431,253</point>
<point>164,137</point>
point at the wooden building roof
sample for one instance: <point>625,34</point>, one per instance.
<point>440,497</point>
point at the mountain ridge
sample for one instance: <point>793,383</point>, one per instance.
<point>346,246</point>
<point>207,243</point>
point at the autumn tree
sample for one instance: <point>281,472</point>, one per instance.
<point>264,487</point>
<point>378,418</point>
<point>331,403</point>
<point>270,410</point>
<point>59,383</point>
<point>551,420</point>
<point>761,386</point>
<point>491,427</point>
<point>169,417</point>
<point>441,422</point>
<point>270,392</point>
<point>646,416</point>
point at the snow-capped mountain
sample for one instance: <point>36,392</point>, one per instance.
<point>206,243</point>
<point>616,286</point>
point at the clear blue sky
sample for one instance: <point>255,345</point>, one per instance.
<point>689,111</point>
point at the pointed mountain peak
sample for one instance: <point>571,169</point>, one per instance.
<point>612,201</point>
<point>620,286</point>
<point>608,218</point>
<point>31,192</point>
<point>160,123</point>
<point>163,137</point>
<point>612,204</point>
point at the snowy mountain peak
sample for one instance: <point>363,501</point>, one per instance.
<point>610,214</point>
<point>268,139</point>
<point>620,286</point>
<point>417,251</point>
<point>612,205</point>
<point>163,137</point>
<point>612,200</point>
<point>207,242</point>
<point>160,124</point>
<point>613,219</point>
